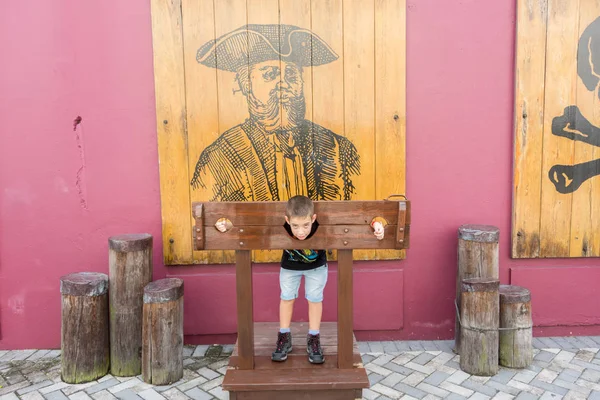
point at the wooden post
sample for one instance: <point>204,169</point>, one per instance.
<point>477,258</point>
<point>84,327</point>
<point>130,263</point>
<point>245,318</point>
<point>516,334</point>
<point>479,326</point>
<point>345,317</point>
<point>162,332</point>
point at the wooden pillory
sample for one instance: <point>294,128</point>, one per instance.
<point>343,225</point>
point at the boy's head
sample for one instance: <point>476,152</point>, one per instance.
<point>300,215</point>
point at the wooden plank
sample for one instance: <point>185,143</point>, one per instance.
<point>304,379</point>
<point>345,309</point>
<point>198,212</point>
<point>169,83</point>
<point>561,76</point>
<point>201,99</point>
<point>327,394</point>
<point>585,219</point>
<point>359,95</point>
<point>232,104</point>
<point>328,213</point>
<point>277,238</point>
<point>265,12</point>
<point>245,319</point>
<point>390,104</point>
<point>328,79</point>
<point>528,128</point>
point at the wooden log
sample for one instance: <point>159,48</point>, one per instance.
<point>479,326</point>
<point>84,327</point>
<point>130,263</point>
<point>162,332</point>
<point>477,258</point>
<point>516,324</point>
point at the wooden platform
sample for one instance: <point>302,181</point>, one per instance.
<point>295,378</point>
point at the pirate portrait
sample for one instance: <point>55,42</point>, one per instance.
<point>276,153</point>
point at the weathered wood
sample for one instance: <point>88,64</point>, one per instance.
<point>516,350</point>
<point>84,327</point>
<point>345,309</point>
<point>245,319</point>
<point>479,326</point>
<point>130,270</point>
<point>296,378</point>
<point>162,332</point>
<point>478,257</point>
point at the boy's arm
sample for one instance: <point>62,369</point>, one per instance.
<point>378,224</point>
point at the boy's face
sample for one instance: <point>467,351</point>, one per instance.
<point>301,226</point>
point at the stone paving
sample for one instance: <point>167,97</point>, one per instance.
<point>563,367</point>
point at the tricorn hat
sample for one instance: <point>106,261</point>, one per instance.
<point>251,44</point>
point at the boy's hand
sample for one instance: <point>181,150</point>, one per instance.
<point>223,225</point>
<point>378,230</point>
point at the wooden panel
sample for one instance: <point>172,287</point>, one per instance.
<point>529,121</point>
<point>390,104</point>
<point>201,100</point>
<point>359,95</point>
<point>328,213</point>
<point>561,75</point>
<point>276,237</point>
<point>172,137</point>
<point>585,221</point>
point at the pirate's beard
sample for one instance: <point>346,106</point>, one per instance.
<point>276,115</point>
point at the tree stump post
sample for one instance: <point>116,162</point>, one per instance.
<point>84,327</point>
<point>516,335</point>
<point>162,332</point>
<point>477,258</point>
<point>479,326</point>
<point>130,262</point>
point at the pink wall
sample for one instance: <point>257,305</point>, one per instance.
<point>65,191</point>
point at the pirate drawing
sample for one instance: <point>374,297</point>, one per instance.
<point>572,124</point>
<point>276,153</point>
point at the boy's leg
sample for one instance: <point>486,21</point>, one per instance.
<point>315,281</point>
<point>289,281</point>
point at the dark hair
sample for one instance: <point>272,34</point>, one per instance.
<point>299,206</point>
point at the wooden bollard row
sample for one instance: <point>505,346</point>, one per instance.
<point>493,324</point>
<point>125,308</point>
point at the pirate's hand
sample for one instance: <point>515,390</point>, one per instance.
<point>223,225</point>
<point>378,224</point>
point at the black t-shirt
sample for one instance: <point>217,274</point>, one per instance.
<point>303,259</point>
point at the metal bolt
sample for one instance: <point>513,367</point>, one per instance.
<point>165,122</point>
<point>199,238</point>
<point>400,240</point>
<point>171,240</point>
<point>241,243</point>
<point>346,230</point>
<point>345,242</point>
<point>396,117</point>
<point>524,115</point>
<point>241,231</point>
<point>198,230</point>
<point>401,229</point>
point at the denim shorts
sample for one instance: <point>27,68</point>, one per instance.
<point>314,283</point>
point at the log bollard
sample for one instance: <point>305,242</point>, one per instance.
<point>516,335</point>
<point>84,327</point>
<point>130,261</point>
<point>477,258</point>
<point>479,326</point>
<point>162,333</point>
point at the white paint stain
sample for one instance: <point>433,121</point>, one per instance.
<point>60,185</point>
<point>16,304</point>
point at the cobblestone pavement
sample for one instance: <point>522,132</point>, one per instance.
<point>563,367</point>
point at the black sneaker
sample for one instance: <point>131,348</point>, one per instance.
<point>314,350</point>
<point>284,346</point>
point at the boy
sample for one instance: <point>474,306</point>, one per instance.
<point>301,223</point>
